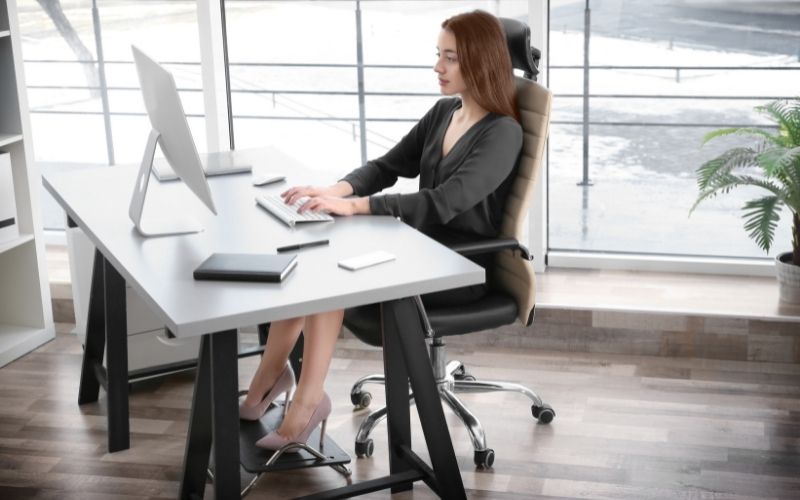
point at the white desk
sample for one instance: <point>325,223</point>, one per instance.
<point>160,270</point>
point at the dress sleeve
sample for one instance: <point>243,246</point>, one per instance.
<point>402,160</point>
<point>491,161</point>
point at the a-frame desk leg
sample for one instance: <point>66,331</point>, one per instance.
<point>107,329</point>
<point>214,419</point>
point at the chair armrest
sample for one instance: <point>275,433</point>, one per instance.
<point>478,247</point>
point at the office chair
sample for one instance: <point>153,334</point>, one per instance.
<point>511,285</point>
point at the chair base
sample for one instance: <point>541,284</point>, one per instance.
<point>450,378</point>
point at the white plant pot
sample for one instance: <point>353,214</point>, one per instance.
<point>788,278</point>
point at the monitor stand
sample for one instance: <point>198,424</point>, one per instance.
<point>167,224</point>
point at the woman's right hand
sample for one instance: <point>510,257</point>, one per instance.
<point>294,193</point>
<point>291,195</point>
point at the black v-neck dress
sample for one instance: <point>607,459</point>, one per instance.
<point>460,196</point>
<point>464,192</point>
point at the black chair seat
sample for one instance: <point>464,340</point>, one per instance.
<point>492,311</point>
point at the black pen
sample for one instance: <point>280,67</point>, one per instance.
<point>298,246</point>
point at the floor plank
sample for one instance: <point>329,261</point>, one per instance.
<point>633,427</point>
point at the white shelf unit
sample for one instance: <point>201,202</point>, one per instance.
<point>26,316</point>
<point>7,139</point>
<point>20,240</point>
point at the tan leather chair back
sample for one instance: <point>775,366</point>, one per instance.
<point>513,274</point>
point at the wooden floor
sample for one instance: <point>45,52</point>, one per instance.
<point>626,427</point>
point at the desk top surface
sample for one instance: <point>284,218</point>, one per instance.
<point>160,269</point>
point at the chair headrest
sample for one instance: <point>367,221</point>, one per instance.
<point>523,56</point>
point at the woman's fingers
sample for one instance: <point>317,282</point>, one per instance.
<point>291,195</point>
<point>305,206</point>
<point>328,204</point>
<point>314,204</point>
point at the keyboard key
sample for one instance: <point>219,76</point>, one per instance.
<point>288,214</point>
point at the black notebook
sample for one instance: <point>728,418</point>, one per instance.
<point>246,267</point>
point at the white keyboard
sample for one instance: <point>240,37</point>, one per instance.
<point>288,214</point>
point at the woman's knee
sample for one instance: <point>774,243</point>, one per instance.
<point>327,317</point>
<point>291,323</point>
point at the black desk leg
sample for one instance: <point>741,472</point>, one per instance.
<point>117,360</point>
<point>214,418</point>
<point>107,327</point>
<point>95,342</point>
<point>398,421</point>
<point>411,342</point>
<point>198,439</point>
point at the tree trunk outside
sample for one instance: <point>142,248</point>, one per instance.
<point>62,24</point>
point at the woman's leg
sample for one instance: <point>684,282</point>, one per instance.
<point>320,333</point>
<point>282,337</point>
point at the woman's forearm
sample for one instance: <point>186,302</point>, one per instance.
<point>342,189</point>
<point>361,206</point>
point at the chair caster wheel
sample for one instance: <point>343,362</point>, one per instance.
<point>484,459</point>
<point>462,374</point>
<point>361,399</point>
<point>365,449</point>
<point>544,414</point>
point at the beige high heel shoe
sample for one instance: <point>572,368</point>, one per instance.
<point>285,384</point>
<point>274,441</point>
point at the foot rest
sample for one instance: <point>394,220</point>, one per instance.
<point>254,459</point>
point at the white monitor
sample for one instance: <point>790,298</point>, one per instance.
<point>170,131</point>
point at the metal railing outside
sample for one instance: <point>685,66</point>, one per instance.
<point>362,93</point>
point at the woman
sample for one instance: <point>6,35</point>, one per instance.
<point>464,151</point>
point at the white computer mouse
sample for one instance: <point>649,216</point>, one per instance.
<point>262,179</point>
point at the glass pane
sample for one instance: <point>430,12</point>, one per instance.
<point>290,89</point>
<point>381,136</point>
<point>662,75</point>
<point>287,91</point>
<point>60,51</point>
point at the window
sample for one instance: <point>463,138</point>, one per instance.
<point>87,109</point>
<point>661,75</point>
<point>296,84</point>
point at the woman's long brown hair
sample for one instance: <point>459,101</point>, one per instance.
<point>484,61</point>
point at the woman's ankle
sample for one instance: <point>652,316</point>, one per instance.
<point>262,383</point>
<point>298,415</point>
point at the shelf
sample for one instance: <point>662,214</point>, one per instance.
<point>11,244</point>
<point>16,341</point>
<point>26,318</point>
<point>6,139</point>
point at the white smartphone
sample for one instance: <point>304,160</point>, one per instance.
<point>366,260</point>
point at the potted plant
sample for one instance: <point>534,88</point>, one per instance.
<point>771,163</point>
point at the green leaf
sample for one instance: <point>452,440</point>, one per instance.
<point>719,167</point>
<point>786,113</point>
<point>724,184</point>
<point>746,131</point>
<point>781,163</point>
<point>770,161</point>
<point>719,184</point>
<point>772,164</point>
<point>719,133</point>
<point>761,218</point>
<point>792,184</point>
<point>765,184</point>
